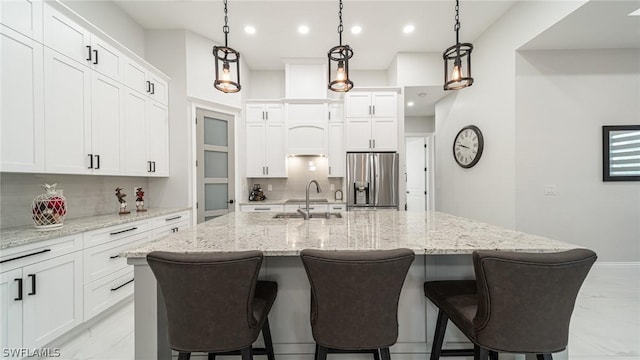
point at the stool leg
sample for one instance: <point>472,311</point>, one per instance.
<point>321,354</point>
<point>376,354</point>
<point>493,355</point>
<point>211,356</point>
<point>184,356</point>
<point>480,353</point>
<point>315,354</point>
<point>385,354</point>
<point>544,357</point>
<point>247,353</point>
<point>438,337</point>
<point>268,343</point>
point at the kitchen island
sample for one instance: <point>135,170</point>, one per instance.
<point>442,242</point>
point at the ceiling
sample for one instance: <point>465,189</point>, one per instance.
<point>597,24</point>
<point>276,24</point>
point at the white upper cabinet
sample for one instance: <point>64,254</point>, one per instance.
<point>21,102</point>
<point>67,115</point>
<point>265,139</point>
<point>65,93</point>
<point>23,16</point>
<point>371,120</point>
<point>306,129</point>
<point>336,155</point>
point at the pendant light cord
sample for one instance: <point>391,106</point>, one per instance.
<point>225,28</point>
<point>339,26</point>
<point>456,27</point>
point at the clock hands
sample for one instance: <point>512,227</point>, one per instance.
<point>466,147</point>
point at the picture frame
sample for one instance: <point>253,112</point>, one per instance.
<point>621,153</point>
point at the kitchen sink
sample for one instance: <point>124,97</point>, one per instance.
<point>317,215</point>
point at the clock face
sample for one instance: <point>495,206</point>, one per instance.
<point>467,146</point>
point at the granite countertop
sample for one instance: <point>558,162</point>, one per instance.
<point>424,233</point>
<point>27,234</point>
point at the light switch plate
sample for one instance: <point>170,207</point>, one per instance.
<point>550,189</point>
<point>269,187</point>
<point>332,187</point>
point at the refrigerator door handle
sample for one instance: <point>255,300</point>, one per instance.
<point>373,160</point>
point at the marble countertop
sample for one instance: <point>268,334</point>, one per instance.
<point>24,235</point>
<point>424,233</point>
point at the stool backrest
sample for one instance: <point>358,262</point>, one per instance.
<point>526,299</point>
<point>354,296</point>
<point>208,298</point>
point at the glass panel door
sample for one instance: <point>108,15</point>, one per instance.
<point>215,164</point>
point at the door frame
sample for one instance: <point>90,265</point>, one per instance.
<point>196,103</point>
<point>430,158</point>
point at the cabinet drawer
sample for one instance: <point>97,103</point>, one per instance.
<point>106,292</point>
<point>170,229</point>
<point>114,233</point>
<point>44,250</point>
<point>337,207</point>
<point>262,208</point>
<point>170,219</point>
<point>312,207</point>
<point>105,259</point>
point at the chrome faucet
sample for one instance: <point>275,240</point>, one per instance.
<point>305,213</point>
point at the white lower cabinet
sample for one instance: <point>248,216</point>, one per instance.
<point>170,224</point>
<point>102,294</point>
<point>32,283</point>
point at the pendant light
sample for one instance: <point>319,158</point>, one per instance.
<point>457,59</point>
<point>339,78</point>
<point>227,63</point>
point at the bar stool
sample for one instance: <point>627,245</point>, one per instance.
<point>354,299</point>
<point>519,303</point>
<point>214,302</point>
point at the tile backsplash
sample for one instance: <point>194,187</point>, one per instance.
<point>86,195</point>
<point>300,170</point>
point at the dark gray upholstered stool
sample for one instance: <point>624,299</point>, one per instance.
<point>354,299</point>
<point>214,302</point>
<point>519,303</point>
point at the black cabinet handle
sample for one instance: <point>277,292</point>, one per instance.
<point>24,256</point>
<point>114,256</point>
<point>149,163</point>
<point>231,201</point>
<point>90,161</point>
<point>19,289</point>
<point>95,61</point>
<point>119,286</point>
<point>33,284</point>
<point>97,161</point>
<point>148,86</point>
<point>89,58</point>
<point>123,231</point>
<point>153,88</point>
<point>154,166</point>
<point>173,218</point>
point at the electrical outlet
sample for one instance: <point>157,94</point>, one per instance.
<point>550,189</point>
<point>332,187</point>
<point>269,187</point>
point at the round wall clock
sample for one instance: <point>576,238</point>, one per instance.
<point>467,146</point>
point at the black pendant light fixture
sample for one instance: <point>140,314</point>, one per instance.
<point>457,61</point>
<point>339,79</point>
<point>227,63</point>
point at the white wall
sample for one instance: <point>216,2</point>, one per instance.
<point>486,192</point>
<point>112,20</point>
<point>419,69</point>
<point>419,124</point>
<point>364,78</point>
<point>267,85</point>
<point>563,98</point>
<point>175,190</point>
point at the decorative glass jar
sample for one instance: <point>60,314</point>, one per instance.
<point>49,209</point>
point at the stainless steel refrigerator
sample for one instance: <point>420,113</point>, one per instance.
<point>372,181</point>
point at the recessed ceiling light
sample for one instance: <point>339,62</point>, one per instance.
<point>408,29</point>
<point>356,29</point>
<point>635,13</point>
<point>422,94</point>
<point>250,29</point>
<point>303,29</point>
<point>410,103</point>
